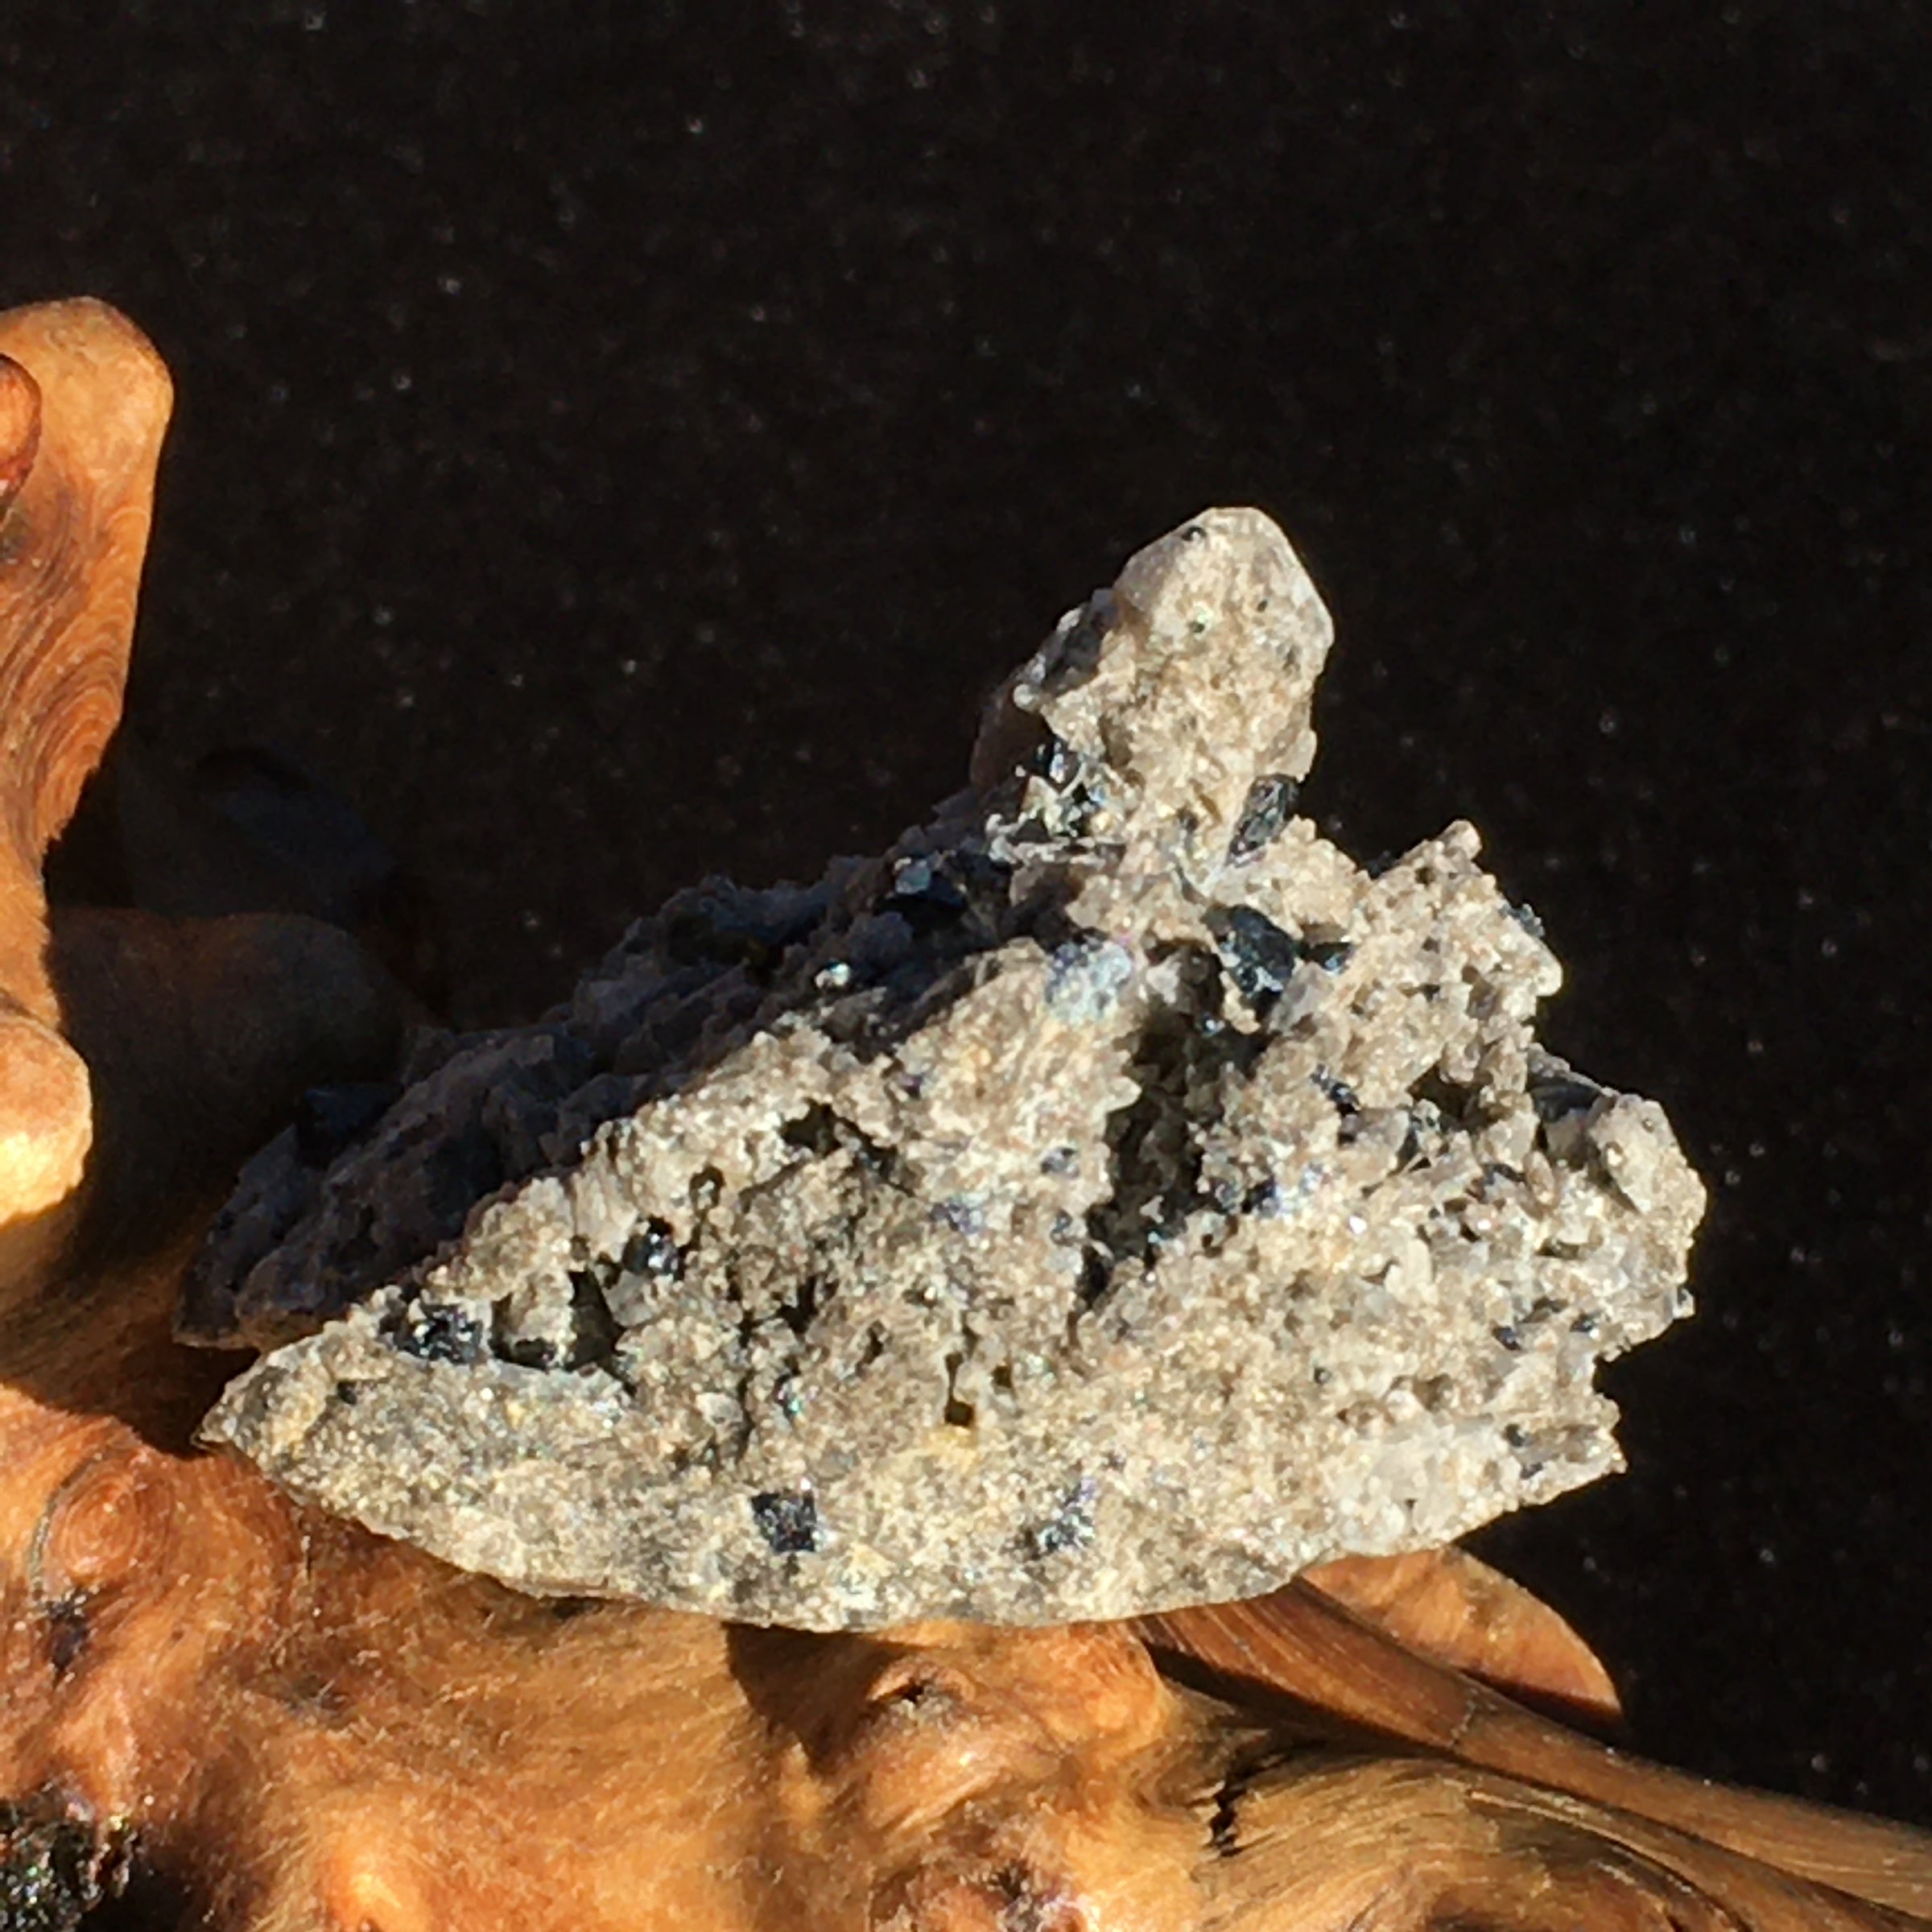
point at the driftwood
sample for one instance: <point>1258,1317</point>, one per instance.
<point>256,1716</point>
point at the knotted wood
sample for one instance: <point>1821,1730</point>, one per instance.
<point>83,402</point>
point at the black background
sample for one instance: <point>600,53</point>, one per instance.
<point>616,442</point>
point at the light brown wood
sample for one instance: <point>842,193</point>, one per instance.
<point>288,1725</point>
<point>1378,1843</point>
<point>1447,1605</point>
<point>79,436</point>
<point>1300,1650</point>
<point>19,427</point>
<point>83,402</point>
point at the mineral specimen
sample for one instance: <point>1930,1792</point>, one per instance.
<point>1111,1197</point>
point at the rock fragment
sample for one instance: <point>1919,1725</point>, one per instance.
<point>1111,1197</point>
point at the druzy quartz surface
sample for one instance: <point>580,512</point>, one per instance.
<point>1111,1197</point>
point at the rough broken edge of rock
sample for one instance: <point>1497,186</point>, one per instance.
<point>1111,1199</point>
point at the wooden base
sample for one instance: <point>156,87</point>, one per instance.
<point>276,1722</point>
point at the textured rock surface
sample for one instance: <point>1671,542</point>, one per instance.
<point>1111,1197</point>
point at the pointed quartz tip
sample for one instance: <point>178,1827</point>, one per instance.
<point>19,427</point>
<point>1229,565</point>
<point>1193,677</point>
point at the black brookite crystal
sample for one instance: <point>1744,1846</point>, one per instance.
<point>983,1229</point>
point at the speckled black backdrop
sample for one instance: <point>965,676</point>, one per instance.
<point>621,440</point>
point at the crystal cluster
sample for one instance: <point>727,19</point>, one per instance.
<point>1113,1197</point>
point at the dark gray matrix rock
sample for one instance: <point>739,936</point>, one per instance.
<point>1111,1197</point>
